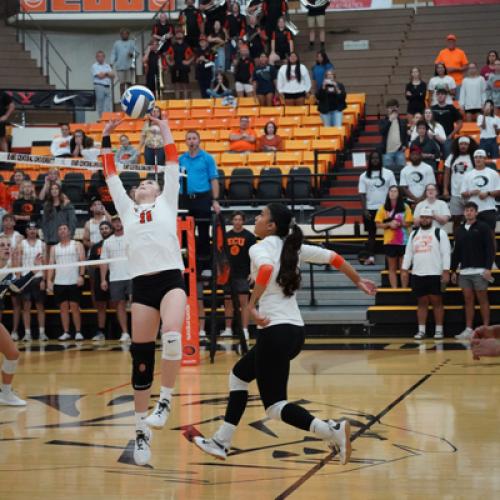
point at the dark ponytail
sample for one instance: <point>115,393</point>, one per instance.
<point>289,274</point>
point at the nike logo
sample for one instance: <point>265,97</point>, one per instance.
<point>59,100</point>
<point>171,341</point>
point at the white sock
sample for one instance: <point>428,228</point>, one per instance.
<point>27,331</point>
<point>41,330</point>
<point>468,329</point>
<point>224,434</point>
<point>166,393</point>
<point>439,328</point>
<point>421,328</point>
<point>140,424</point>
<point>320,428</point>
<point>6,388</point>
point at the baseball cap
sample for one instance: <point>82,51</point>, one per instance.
<point>31,225</point>
<point>426,212</point>
<point>464,140</point>
<point>480,152</point>
<point>451,36</point>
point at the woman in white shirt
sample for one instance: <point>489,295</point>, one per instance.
<point>472,93</point>
<point>441,80</point>
<point>439,208</point>
<point>489,125</point>
<point>275,268</point>
<point>436,131</point>
<point>158,291</point>
<point>294,82</point>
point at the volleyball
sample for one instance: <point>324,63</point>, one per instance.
<point>137,101</point>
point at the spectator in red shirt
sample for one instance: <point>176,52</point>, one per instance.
<point>489,67</point>
<point>179,58</point>
<point>455,60</point>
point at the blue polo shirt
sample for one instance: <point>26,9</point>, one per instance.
<point>318,72</point>
<point>200,170</point>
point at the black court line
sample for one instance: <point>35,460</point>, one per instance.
<point>310,473</point>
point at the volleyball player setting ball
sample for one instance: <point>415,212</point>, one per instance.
<point>158,295</point>
<point>275,269</point>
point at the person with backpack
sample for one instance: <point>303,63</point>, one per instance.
<point>428,253</point>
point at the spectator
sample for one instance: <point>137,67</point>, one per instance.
<point>17,178</point>
<point>26,208</point>
<point>449,117</point>
<point>102,75</point>
<point>395,137</point>
<point>204,66</point>
<point>238,240</point>
<point>373,187</point>
<point>319,70</point>
<point>472,95</point>
<point>482,185</point>
<point>436,130</point>
<point>244,138</point>
<point>99,189</point>
<point>66,282</point>
<point>28,249</point>
<point>331,100</point>
<point>220,86</point>
<point>53,177</point>
<point>474,253</point>
<point>493,86</point>
<point>8,231</point>
<point>235,26</point>
<point>79,142</point>
<point>217,39</point>
<point>489,67</point>
<point>120,282</point>
<point>441,80</point>
<point>413,126</point>
<point>152,62</point>
<point>294,82</point>
<point>122,60</point>
<point>91,229</point>
<point>5,201</point>
<point>273,11</point>
<point>212,16</point>
<point>243,73</point>
<point>152,141</point>
<point>455,61</point>
<point>430,149</point>
<point>415,93</point>
<point>428,254</point>
<point>264,81</point>
<point>316,19</point>
<point>126,152</point>
<point>255,37</point>
<point>489,126</point>
<point>7,107</point>
<point>439,211</point>
<point>59,147</point>
<point>179,58</point>
<point>57,211</point>
<point>270,140</point>
<point>394,217</point>
<point>456,165</point>
<point>415,176</point>
<point>282,41</point>
<point>191,21</point>
<point>163,32</point>
<point>200,189</point>
<point>100,298</point>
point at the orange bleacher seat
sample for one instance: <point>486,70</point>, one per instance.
<point>297,144</point>
<point>356,99</point>
<point>250,111</point>
<point>469,128</point>
<point>182,146</point>
<point>311,121</point>
<point>202,113</point>
<point>216,157</point>
<point>179,104</point>
<point>271,111</point>
<point>296,110</point>
<point>313,110</point>
<point>327,132</point>
<point>285,132</point>
<point>217,147</point>
<point>134,137</point>
<point>209,134</point>
<point>326,144</point>
<point>260,121</point>
<point>202,103</point>
<point>130,126</point>
<point>288,121</point>
<point>79,126</point>
<point>178,135</point>
<point>217,123</point>
<point>178,114</point>
<point>95,128</point>
<point>194,124</point>
<point>246,101</point>
<point>40,150</point>
<point>224,134</point>
<point>162,104</point>
<point>292,158</point>
<point>323,160</point>
<point>349,121</point>
<point>226,112</point>
<point>111,115</point>
<point>305,132</point>
<point>176,124</point>
<point>233,159</point>
<point>262,159</point>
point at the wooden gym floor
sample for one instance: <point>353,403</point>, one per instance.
<point>425,419</point>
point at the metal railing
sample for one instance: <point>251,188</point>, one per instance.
<point>46,49</point>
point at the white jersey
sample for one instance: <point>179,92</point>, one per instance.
<point>13,238</point>
<point>461,165</point>
<point>95,234</point>
<point>416,178</point>
<point>273,304</point>
<point>486,180</point>
<point>376,187</point>
<point>65,254</point>
<point>113,247</point>
<point>150,229</point>
<point>29,254</point>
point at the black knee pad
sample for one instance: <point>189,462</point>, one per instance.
<point>143,365</point>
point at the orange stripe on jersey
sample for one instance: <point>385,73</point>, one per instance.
<point>264,274</point>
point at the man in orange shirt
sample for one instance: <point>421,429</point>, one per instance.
<point>455,60</point>
<point>244,138</point>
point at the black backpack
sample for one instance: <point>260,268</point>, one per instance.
<point>437,232</point>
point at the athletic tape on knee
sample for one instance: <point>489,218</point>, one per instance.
<point>274,411</point>
<point>236,384</point>
<point>172,346</point>
<point>9,366</point>
<point>143,365</point>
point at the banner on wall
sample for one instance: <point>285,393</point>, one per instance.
<point>66,100</point>
<point>440,3</point>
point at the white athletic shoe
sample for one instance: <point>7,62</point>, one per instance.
<point>465,335</point>
<point>98,337</point>
<point>27,337</point>
<point>65,336</point>
<point>14,336</point>
<point>341,439</point>
<point>11,399</point>
<point>79,336</point>
<point>419,336</point>
<point>125,337</point>
<point>438,335</point>
<point>43,337</point>
<point>160,414</point>
<point>211,447</point>
<point>202,334</point>
<point>142,447</point>
<point>228,332</point>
